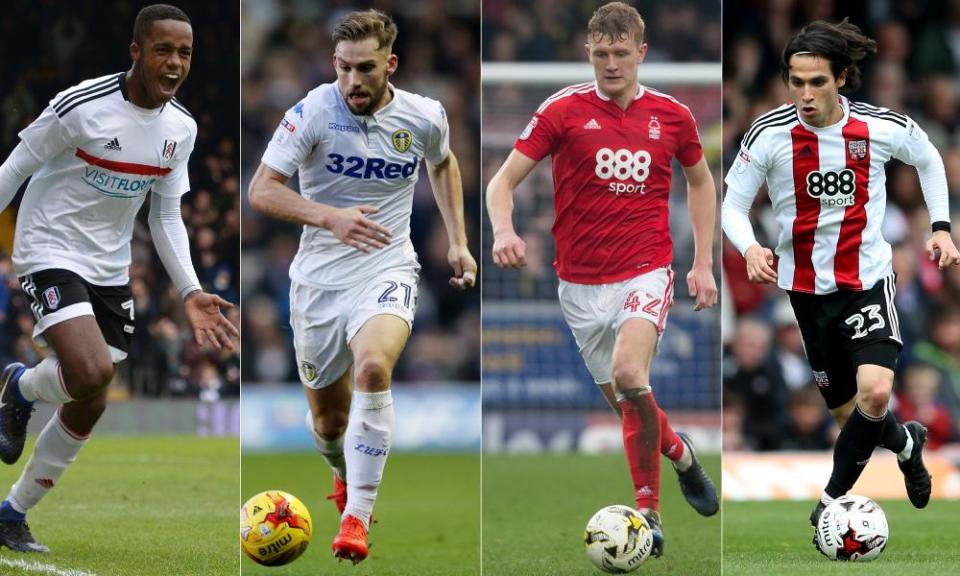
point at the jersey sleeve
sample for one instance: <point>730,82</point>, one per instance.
<point>539,139</point>
<point>293,140</point>
<point>749,168</point>
<point>177,182</point>
<point>438,147</point>
<point>910,143</point>
<point>743,181</point>
<point>48,135</point>
<point>912,146</point>
<point>689,150</point>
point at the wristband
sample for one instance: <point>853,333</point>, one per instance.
<point>941,225</point>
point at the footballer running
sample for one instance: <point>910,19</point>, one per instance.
<point>94,154</point>
<point>822,157</point>
<point>357,145</point>
<point>611,143</point>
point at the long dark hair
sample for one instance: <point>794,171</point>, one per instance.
<point>842,44</point>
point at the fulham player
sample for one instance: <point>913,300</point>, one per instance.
<point>822,157</point>
<point>95,153</point>
<point>611,143</point>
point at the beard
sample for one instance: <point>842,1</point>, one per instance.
<point>373,98</point>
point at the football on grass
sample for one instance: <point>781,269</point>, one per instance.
<point>275,528</point>
<point>618,539</point>
<point>852,528</point>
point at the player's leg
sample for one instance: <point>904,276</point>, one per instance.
<point>695,485</point>
<point>327,423</point>
<point>862,431</point>
<point>376,348</point>
<point>323,361</point>
<point>633,351</point>
<point>874,386</point>
<point>84,370</point>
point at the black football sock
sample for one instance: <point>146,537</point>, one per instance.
<point>854,446</point>
<point>894,436</point>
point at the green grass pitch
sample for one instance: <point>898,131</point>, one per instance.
<point>763,538</point>
<point>535,508</point>
<point>138,506</point>
<point>428,514</point>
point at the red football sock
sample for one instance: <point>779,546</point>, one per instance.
<point>641,443</point>
<point>670,444</point>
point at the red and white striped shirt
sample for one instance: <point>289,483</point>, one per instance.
<point>828,190</point>
<point>611,178</point>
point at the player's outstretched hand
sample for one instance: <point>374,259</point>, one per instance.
<point>702,286</point>
<point>208,324</point>
<point>352,227</point>
<point>942,242</point>
<point>509,250</point>
<point>760,265</point>
<point>464,267</point>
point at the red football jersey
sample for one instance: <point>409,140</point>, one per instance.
<point>611,178</point>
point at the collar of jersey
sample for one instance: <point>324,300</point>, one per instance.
<point>138,112</point>
<point>844,105</point>
<point>596,88</point>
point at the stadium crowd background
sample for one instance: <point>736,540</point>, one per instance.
<point>50,45</point>
<point>286,52</point>
<point>768,386</point>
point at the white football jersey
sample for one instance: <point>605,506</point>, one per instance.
<point>347,160</point>
<point>828,190</point>
<point>101,156</point>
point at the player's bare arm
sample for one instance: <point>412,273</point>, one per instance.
<point>270,194</point>
<point>509,250</point>
<point>448,191</point>
<point>702,203</point>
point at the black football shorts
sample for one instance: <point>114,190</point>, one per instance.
<point>845,329</point>
<point>58,295</point>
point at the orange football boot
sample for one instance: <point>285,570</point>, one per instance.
<point>351,542</point>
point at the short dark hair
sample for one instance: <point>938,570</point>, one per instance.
<point>371,23</point>
<point>150,14</point>
<point>842,44</point>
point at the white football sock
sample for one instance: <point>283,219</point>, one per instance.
<point>45,382</point>
<point>685,461</point>
<point>907,451</point>
<point>367,446</point>
<point>56,449</point>
<point>331,450</point>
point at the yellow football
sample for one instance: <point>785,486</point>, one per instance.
<point>275,528</point>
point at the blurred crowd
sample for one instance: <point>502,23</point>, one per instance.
<point>286,52</point>
<point>768,386</point>
<point>50,45</point>
<point>685,31</point>
<point>555,30</point>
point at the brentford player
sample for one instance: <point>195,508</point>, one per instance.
<point>822,158</point>
<point>611,143</point>
<point>94,153</point>
<point>357,145</point>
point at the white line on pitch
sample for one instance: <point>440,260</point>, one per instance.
<point>43,568</point>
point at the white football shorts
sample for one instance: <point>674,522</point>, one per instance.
<point>595,313</point>
<point>325,320</point>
